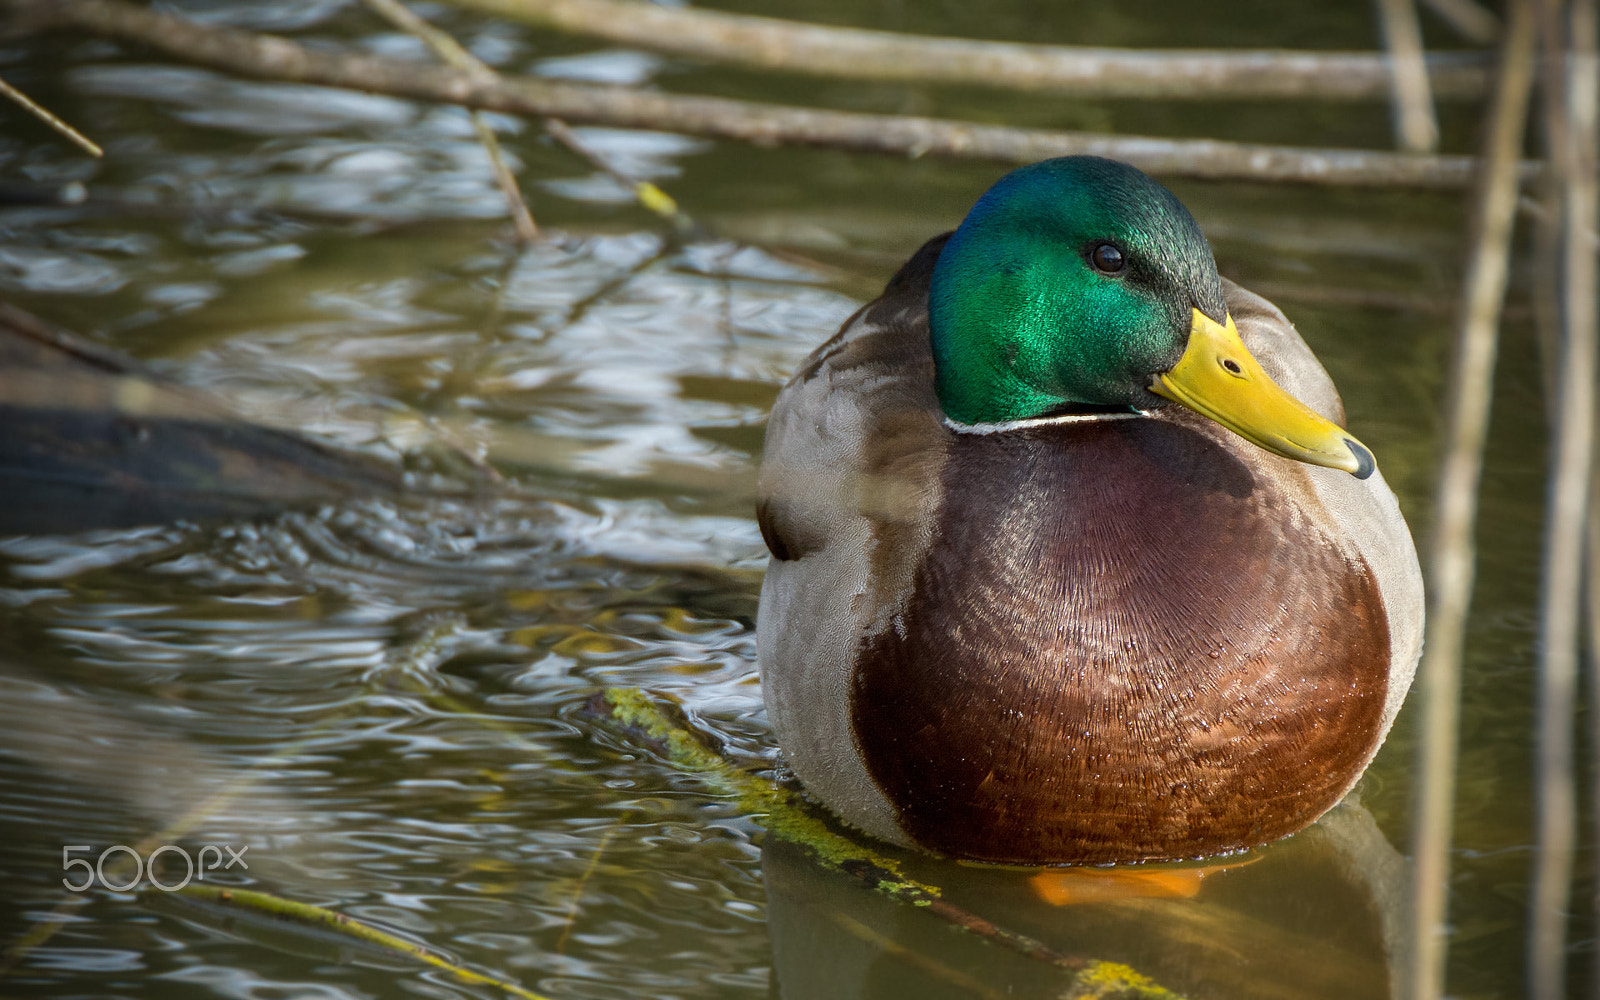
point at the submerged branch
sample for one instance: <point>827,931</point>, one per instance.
<point>271,912</point>
<point>274,58</point>
<point>853,53</point>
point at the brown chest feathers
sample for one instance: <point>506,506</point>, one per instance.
<point>1130,648</point>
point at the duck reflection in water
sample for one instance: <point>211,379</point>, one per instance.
<point>1319,916</point>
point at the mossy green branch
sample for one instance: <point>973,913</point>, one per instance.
<point>786,814</point>
<point>776,808</point>
<point>1114,981</point>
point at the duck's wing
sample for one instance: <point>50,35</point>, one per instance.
<point>850,482</point>
<point>855,426</point>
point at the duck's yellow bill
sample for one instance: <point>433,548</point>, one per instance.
<point>1218,378</point>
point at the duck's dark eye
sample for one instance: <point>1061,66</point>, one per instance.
<point>1107,258</point>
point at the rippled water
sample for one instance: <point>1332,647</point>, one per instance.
<point>383,699</point>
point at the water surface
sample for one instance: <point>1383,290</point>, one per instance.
<point>391,689</point>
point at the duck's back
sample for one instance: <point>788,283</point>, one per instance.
<point>1102,639</point>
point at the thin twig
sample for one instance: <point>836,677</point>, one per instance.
<point>1572,449</point>
<point>278,912</point>
<point>77,138</point>
<point>853,53</point>
<point>273,58</point>
<point>1451,557</point>
<point>455,54</point>
<point>646,193</point>
<point>583,881</point>
<point>521,215</point>
<point>451,51</point>
<point>1416,129</point>
<point>927,964</point>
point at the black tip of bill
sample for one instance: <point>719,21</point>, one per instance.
<point>1364,463</point>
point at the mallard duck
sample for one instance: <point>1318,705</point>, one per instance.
<point>1073,560</point>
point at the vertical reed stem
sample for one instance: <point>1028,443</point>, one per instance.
<point>1566,514</point>
<point>1473,21</point>
<point>1451,555</point>
<point>1416,128</point>
<point>1591,573</point>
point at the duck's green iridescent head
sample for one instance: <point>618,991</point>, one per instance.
<point>1080,282</point>
<point>1070,282</point>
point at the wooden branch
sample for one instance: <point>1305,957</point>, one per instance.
<point>1451,556</point>
<point>273,58</point>
<point>853,53</point>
